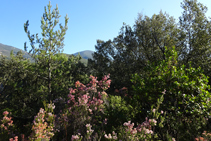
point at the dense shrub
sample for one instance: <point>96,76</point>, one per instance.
<point>187,100</point>
<point>173,102</point>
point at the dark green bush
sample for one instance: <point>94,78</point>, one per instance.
<point>187,100</point>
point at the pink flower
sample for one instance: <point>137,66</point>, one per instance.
<point>5,113</point>
<point>127,123</point>
<point>88,125</point>
<point>77,84</point>
<point>104,93</point>
<point>109,136</point>
<point>105,121</point>
<point>134,131</point>
<point>16,138</point>
<point>72,91</point>
<point>153,110</point>
<point>115,137</point>
<point>74,137</point>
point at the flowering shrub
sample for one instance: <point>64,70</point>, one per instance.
<point>43,124</point>
<point>6,126</point>
<point>86,117</point>
<point>7,121</point>
<point>85,110</point>
<point>76,137</point>
<point>206,137</point>
<point>15,139</point>
<point>143,131</point>
<point>129,132</point>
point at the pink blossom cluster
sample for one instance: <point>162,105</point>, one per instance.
<point>152,121</point>
<point>89,130</point>
<point>142,131</point>
<point>130,128</point>
<point>89,95</point>
<point>146,126</point>
<point>41,129</point>
<point>110,137</point>
<point>6,121</point>
<point>76,137</point>
<point>15,139</point>
<point>105,82</point>
<point>84,102</point>
<point>51,106</point>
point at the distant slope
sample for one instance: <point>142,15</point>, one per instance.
<point>6,49</point>
<point>87,54</point>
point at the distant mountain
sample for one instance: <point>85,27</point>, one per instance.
<point>6,49</point>
<point>87,54</point>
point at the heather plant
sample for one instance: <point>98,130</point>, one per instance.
<point>43,124</point>
<point>14,139</point>
<point>187,100</point>
<point>6,126</point>
<point>206,136</point>
<point>141,132</point>
<point>84,111</point>
<point>76,137</point>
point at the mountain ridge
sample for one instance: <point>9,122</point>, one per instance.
<point>6,49</point>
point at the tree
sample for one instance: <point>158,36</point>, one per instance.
<point>195,35</point>
<point>153,34</point>
<point>27,84</point>
<point>130,51</point>
<point>50,45</point>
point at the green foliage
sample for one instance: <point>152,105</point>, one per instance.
<point>154,33</point>
<point>16,78</point>
<point>141,51</point>
<point>20,92</point>
<point>6,126</point>
<point>130,51</point>
<point>25,84</point>
<point>117,112</point>
<point>145,130</point>
<point>135,47</point>
<point>195,35</point>
<point>46,55</point>
<point>187,97</point>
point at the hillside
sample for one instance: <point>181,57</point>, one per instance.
<point>87,54</point>
<point>6,49</point>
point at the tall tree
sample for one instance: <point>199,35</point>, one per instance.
<point>195,32</point>
<point>131,50</point>
<point>154,33</point>
<point>50,44</point>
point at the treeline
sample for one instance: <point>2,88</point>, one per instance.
<point>158,69</point>
<point>135,47</point>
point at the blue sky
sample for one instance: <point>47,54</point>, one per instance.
<point>89,20</point>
